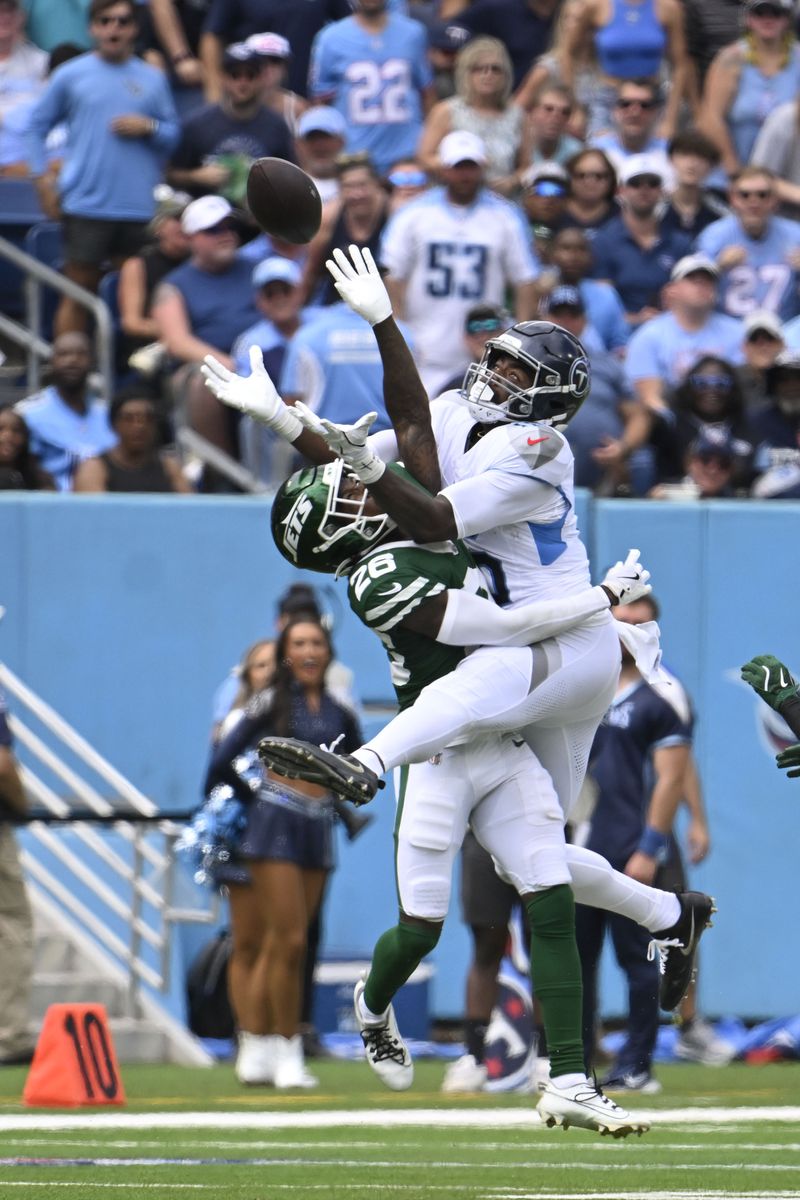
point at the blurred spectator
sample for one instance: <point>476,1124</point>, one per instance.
<point>547,69</point>
<point>251,676</point>
<point>777,425</point>
<point>550,114</point>
<point>275,53</point>
<point>634,251</point>
<point>14,140</point>
<point>571,262</point>
<point>444,42</point>
<point>66,422</point>
<point>544,201</point>
<point>778,149</point>
<point>23,67</point>
<point>599,432</point>
<point>333,365</point>
<point>121,125</point>
<point>235,20</point>
<point>219,143</point>
<point>750,78</point>
<point>279,299</point>
<point>357,218</point>
<point>482,106</point>
<point>691,207</point>
<point>664,349</point>
<point>19,469</point>
<point>406,180</point>
<point>632,40</point>
<point>451,248</point>
<point>51,22</point>
<point>636,118</point>
<point>525,27</point>
<point>16,922</point>
<point>708,399</point>
<point>134,463</point>
<point>177,25</point>
<point>481,323</point>
<point>373,67</point>
<point>757,252</point>
<point>710,471</point>
<point>321,133</point>
<point>201,308</point>
<point>141,274</point>
<point>710,25</point>
<point>762,342</point>
<point>592,191</point>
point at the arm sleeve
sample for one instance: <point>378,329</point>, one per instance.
<point>168,129</point>
<point>470,621</point>
<point>47,112</point>
<point>790,711</point>
<point>494,498</point>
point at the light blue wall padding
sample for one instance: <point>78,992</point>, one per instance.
<point>126,613</point>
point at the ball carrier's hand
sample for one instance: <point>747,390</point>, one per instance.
<point>347,441</point>
<point>358,282</point>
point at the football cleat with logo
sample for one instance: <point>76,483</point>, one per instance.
<point>584,1105</point>
<point>677,947</point>
<point>385,1050</point>
<point>339,773</point>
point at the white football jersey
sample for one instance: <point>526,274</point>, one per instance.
<point>514,504</point>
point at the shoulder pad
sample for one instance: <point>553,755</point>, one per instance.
<point>537,445</point>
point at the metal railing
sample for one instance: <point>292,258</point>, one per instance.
<point>36,276</point>
<point>121,895</point>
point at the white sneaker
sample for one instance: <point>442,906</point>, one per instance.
<point>583,1105</point>
<point>290,1067</point>
<point>699,1043</point>
<point>465,1075</point>
<point>255,1060</point>
<point>386,1051</point>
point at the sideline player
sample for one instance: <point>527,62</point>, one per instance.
<point>509,476</point>
<point>323,517</point>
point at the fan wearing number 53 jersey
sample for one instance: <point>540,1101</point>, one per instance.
<point>374,68</point>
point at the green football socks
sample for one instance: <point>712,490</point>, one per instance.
<point>556,972</point>
<point>397,954</point>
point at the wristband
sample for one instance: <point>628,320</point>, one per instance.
<point>285,423</point>
<point>654,844</point>
<point>182,57</point>
<point>369,469</point>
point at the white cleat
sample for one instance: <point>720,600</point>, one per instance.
<point>255,1060</point>
<point>464,1075</point>
<point>290,1067</point>
<point>386,1052</point>
<point>584,1106</point>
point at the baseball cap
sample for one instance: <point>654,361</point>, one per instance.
<point>444,36</point>
<point>786,5</point>
<point>239,54</point>
<point>461,146</point>
<point>762,319</point>
<point>322,119</point>
<point>641,164</point>
<point>276,270</point>
<point>269,45</point>
<point>204,213</point>
<point>486,318</point>
<point>545,170</point>
<point>563,296</point>
<point>714,440</point>
<point>690,264</point>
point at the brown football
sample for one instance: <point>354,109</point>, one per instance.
<point>284,200</point>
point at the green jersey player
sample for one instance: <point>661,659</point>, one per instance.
<point>324,520</point>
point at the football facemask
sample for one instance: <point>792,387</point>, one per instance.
<point>555,359</point>
<point>317,529</point>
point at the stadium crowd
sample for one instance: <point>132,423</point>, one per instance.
<point>629,169</point>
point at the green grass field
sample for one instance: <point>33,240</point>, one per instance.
<point>191,1132</point>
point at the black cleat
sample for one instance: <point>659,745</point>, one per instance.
<point>677,947</point>
<point>340,773</point>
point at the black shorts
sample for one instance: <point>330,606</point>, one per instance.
<point>284,825</point>
<point>93,241</point>
<point>486,899</point>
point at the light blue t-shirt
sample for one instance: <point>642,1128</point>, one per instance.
<point>605,312</point>
<point>374,80</point>
<point>105,176</point>
<point>334,364</point>
<point>791,334</point>
<point>766,279</point>
<point>662,348</point>
<point>60,437</point>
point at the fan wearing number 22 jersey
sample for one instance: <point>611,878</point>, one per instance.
<point>376,79</point>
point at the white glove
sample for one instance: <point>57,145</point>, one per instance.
<point>627,581</point>
<point>358,282</point>
<point>347,441</point>
<point>254,394</point>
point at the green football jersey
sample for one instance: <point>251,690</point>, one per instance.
<point>388,584</point>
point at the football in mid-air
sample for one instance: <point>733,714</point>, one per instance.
<point>284,200</point>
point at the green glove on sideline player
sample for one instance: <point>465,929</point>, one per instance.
<point>790,757</point>
<point>771,679</point>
